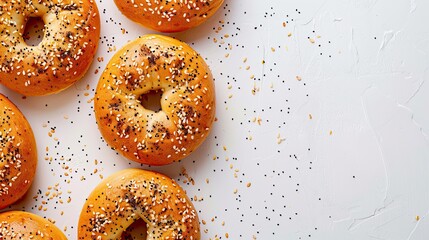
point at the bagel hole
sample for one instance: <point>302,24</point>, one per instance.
<point>136,231</point>
<point>34,31</point>
<point>152,100</point>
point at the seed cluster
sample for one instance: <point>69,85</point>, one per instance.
<point>10,157</point>
<point>23,225</point>
<point>167,9</point>
<point>169,15</point>
<point>7,231</point>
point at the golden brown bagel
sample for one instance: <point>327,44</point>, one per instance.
<point>16,225</point>
<point>151,63</point>
<point>18,159</point>
<point>134,194</point>
<point>169,15</point>
<point>72,30</point>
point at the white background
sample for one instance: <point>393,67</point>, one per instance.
<point>358,168</point>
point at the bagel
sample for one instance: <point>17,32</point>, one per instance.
<point>170,15</point>
<point>134,194</point>
<point>18,159</point>
<point>71,34</point>
<point>23,225</point>
<point>148,64</point>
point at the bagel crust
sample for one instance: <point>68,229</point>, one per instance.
<point>18,159</point>
<point>147,64</point>
<point>16,225</point>
<point>169,15</point>
<point>134,194</point>
<point>71,34</point>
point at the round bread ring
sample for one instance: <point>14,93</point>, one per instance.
<point>151,63</point>
<point>133,194</point>
<point>71,34</point>
<point>18,159</point>
<point>23,225</point>
<point>169,16</point>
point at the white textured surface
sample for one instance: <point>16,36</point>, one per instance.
<point>357,169</point>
